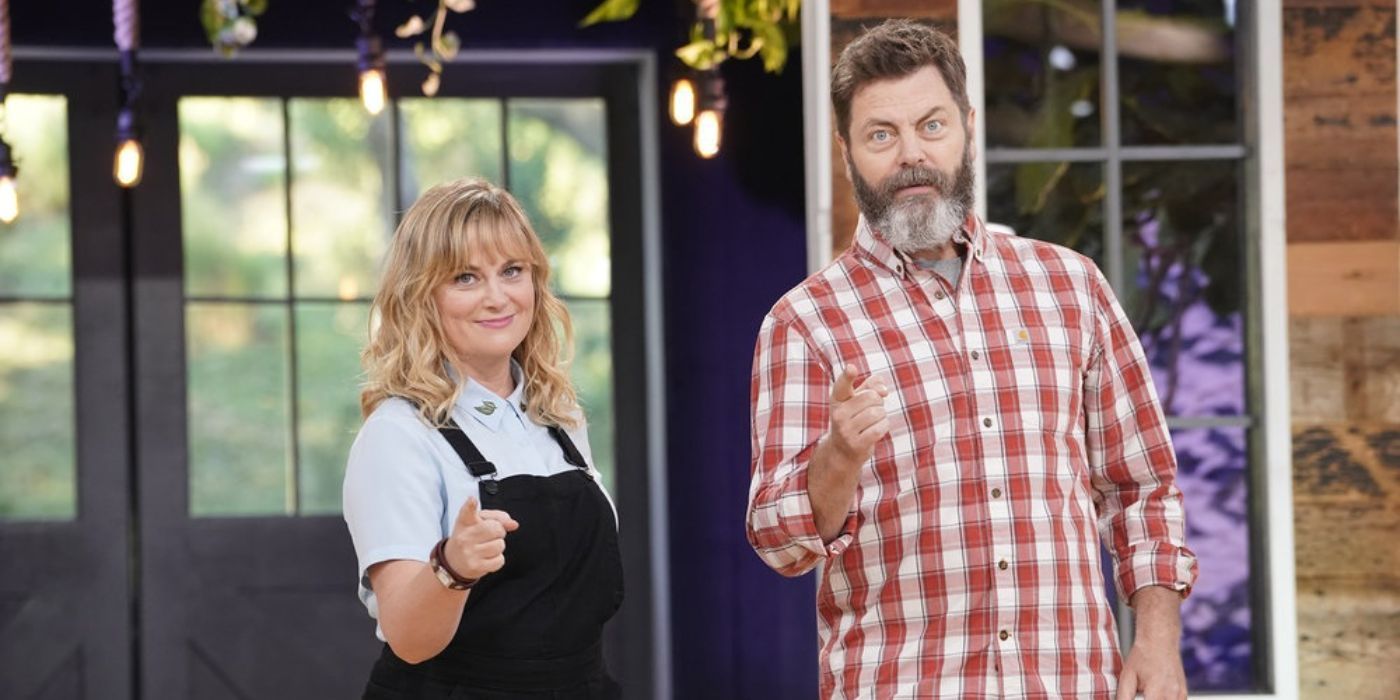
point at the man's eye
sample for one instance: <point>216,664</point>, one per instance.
<point>933,127</point>
<point>880,136</point>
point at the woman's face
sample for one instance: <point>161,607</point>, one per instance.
<point>486,310</point>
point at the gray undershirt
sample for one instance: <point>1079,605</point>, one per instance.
<point>948,269</point>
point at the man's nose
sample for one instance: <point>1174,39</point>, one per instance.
<point>911,152</point>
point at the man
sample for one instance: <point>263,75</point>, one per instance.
<point>942,418</point>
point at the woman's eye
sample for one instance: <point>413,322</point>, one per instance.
<point>465,278</point>
<point>513,271</point>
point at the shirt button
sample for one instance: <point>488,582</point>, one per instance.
<point>1002,565</point>
<point>1004,635</point>
<point>939,295</point>
<point>976,355</point>
<point>996,493</point>
<point>987,422</point>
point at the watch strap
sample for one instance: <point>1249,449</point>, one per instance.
<point>443,570</point>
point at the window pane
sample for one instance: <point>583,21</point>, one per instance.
<point>34,249</point>
<point>559,171</point>
<point>1183,250</point>
<point>329,339</point>
<point>446,138</point>
<point>240,453</point>
<point>233,197</point>
<point>593,375</point>
<point>1176,71</point>
<point>342,196</point>
<point>1216,642</point>
<point>36,412</point>
<point>1041,61</point>
<point>1057,202</point>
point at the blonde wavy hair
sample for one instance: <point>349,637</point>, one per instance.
<point>449,227</point>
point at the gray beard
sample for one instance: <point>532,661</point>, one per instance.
<point>922,223</point>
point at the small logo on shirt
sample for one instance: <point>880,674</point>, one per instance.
<point>486,408</point>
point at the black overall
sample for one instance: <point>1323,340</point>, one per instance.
<point>533,629</point>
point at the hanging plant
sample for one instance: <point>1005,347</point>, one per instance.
<point>743,29</point>
<point>231,24</point>
<point>441,47</point>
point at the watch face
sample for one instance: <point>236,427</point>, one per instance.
<point>443,576</point>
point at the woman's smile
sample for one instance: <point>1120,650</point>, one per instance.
<point>497,323</point>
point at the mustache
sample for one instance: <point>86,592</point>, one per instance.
<point>916,176</point>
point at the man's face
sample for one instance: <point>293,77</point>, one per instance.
<point>909,156</point>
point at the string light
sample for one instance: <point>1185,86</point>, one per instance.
<point>129,161</point>
<point>708,97</point>
<point>707,133</point>
<point>709,123</point>
<point>682,101</point>
<point>373,91</point>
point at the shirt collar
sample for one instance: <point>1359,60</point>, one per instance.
<point>872,244</point>
<point>486,406</point>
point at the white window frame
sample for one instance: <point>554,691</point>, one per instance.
<point>1263,54</point>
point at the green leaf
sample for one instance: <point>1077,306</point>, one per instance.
<point>774,49</point>
<point>611,11</point>
<point>212,19</point>
<point>701,55</point>
<point>256,7</point>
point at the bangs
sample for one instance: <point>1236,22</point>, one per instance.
<point>486,236</point>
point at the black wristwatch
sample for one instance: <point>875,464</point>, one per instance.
<point>438,561</point>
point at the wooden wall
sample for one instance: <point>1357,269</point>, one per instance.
<point>1343,174</point>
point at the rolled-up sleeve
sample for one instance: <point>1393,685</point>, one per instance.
<point>789,412</point>
<point>1132,462</point>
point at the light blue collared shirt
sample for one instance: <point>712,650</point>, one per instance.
<point>404,484</point>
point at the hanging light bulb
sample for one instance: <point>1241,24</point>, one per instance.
<point>128,167</point>
<point>373,89</point>
<point>682,101</point>
<point>372,92</point>
<point>707,133</point>
<point>129,163</point>
<point>709,122</point>
<point>9,197</point>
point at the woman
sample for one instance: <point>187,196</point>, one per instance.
<point>487,547</point>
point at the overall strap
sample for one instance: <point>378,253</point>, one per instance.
<point>571,453</point>
<point>481,468</point>
<point>477,465</point>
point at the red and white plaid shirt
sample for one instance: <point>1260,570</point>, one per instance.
<point>1022,415</point>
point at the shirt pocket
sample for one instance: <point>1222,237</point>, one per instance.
<point>1047,374</point>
